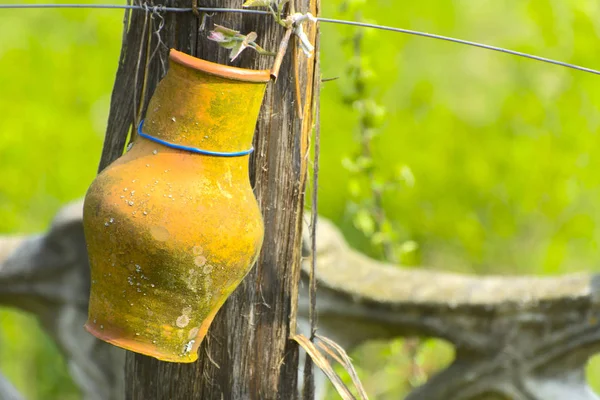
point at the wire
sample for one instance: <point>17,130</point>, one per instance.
<point>157,8</point>
<point>92,6</point>
<point>461,41</point>
<point>326,20</point>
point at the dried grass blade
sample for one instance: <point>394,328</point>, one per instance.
<point>331,353</point>
<point>346,362</point>
<point>325,366</point>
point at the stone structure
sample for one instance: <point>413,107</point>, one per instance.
<point>516,338</point>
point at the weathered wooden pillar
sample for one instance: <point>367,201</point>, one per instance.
<point>247,353</point>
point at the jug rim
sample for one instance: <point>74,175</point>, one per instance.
<point>224,71</point>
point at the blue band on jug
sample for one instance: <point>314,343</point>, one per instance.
<point>192,149</point>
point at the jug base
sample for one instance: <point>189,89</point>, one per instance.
<point>137,346</point>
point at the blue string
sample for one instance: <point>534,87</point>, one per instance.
<point>192,149</point>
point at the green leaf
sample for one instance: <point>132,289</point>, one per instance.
<point>405,174</point>
<point>236,42</point>
<point>354,188</point>
<point>364,222</point>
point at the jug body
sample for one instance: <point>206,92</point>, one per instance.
<point>171,232</point>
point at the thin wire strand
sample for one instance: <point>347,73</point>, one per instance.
<point>326,20</point>
<point>309,377</point>
<point>460,41</point>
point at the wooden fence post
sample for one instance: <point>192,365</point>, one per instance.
<point>247,353</point>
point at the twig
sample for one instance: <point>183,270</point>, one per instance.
<point>145,78</point>
<point>280,53</point>
<point>136,110</point>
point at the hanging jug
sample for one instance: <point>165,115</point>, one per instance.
<point>172,227</point>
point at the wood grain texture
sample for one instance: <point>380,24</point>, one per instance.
<point>247,353</point>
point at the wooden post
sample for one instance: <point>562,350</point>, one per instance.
<point>247,353</point>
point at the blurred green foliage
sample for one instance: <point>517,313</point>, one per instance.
<point>56,73</point>
<point>484,161</point>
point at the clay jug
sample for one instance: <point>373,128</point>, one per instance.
<point>171,232</point>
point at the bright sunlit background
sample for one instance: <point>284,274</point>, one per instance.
<point>484,162</point>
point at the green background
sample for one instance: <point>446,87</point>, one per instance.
<point>489,158</point>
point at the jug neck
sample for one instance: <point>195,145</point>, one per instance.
<point>206,105</point>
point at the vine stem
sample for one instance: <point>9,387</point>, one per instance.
<point>280,53</point>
